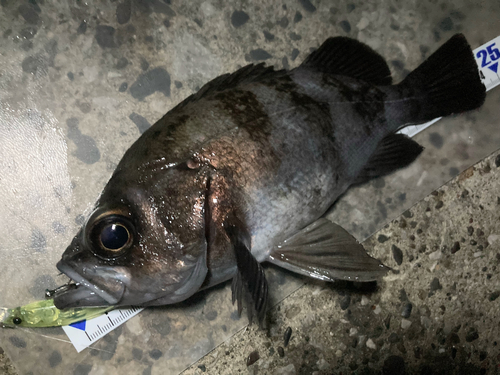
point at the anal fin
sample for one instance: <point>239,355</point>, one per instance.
<point>325,251</point>
<point>393,152</point>
<point>250,282</point>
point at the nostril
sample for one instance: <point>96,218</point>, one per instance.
<point>74,248</point>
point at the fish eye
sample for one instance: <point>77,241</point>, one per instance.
<point>114,237</point>
<point>17,321</point>
<point>111,236</point>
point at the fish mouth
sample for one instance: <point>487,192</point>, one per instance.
<point>108,290</point>
<point>111,286</point>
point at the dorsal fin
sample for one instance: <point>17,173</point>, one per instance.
<point>348,57</point>
<point>247,74</point>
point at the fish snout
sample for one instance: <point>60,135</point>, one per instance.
<point>95,286</point>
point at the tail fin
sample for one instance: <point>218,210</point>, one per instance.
<point>447,82</point>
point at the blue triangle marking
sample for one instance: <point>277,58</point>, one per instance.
<point>79,325</point>
<point>494,67</point>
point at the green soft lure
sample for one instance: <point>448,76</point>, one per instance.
<point>44,314</point>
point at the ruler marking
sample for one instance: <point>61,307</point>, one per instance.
<point>99,326</point>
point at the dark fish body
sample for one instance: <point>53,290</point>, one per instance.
<point>242,172</point>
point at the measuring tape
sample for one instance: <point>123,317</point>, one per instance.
<point>85,333</point>
<point>488,61</point>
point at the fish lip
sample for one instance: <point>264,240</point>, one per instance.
<point>78,297</point>
<point>85,289</point>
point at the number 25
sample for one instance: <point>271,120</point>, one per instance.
<point>493,52</point>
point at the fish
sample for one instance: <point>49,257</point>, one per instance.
<point>243,171</point>
<point>44,313</point>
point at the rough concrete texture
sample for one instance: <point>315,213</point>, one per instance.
<point>6,366</point>
<point>80,81</point>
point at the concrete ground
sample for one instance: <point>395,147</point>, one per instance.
<point>79,82</point>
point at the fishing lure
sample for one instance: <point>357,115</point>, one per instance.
<point>45,314</point>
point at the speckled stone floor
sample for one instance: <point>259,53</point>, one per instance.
<point>80,81</point>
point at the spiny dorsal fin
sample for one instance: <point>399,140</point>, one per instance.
<point>326,251</point>
<point>348,57</point>
<point>393,152</point>
<point>247,74</point>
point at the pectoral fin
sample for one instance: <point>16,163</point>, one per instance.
<point>326,251</point>
<point>249,283</point>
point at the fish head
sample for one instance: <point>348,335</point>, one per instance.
<point>145,242</point>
